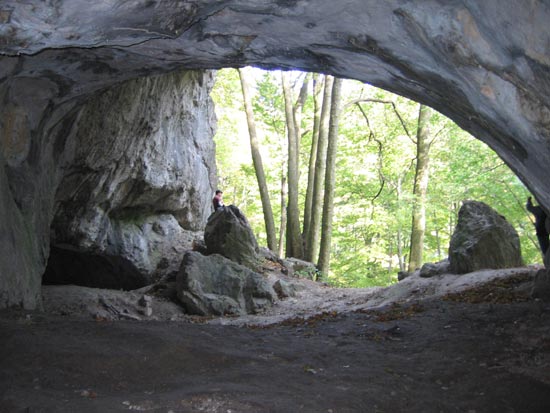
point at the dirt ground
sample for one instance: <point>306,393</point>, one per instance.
<point>474,343</point>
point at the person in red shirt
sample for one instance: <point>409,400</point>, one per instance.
<point>217,201</point>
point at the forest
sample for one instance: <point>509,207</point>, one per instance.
<point>362,182</point>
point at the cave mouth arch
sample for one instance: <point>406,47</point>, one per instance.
<point>484,65</point>
<point>74,261</point>
<point>469,161</point>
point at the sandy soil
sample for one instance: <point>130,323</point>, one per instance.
<point>474,343</point>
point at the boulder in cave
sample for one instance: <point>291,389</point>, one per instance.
<point>214,285</point>
<point>228,233</point>
<point>483,239</point>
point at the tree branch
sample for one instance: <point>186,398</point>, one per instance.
<point>380,157</point>
<point>385,102</point>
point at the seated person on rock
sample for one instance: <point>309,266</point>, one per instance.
<point>217,201</point>
<point>540,225</point>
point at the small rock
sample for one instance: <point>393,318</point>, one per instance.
<point>284,289</point>
<point>431,269</point>
<point>147,311</point>
<point>301,269</point>
<point>145,301</point>
<point>401,275</point>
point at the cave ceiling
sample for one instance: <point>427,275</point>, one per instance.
<point>485,64</point>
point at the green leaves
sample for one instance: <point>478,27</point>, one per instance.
<point>375,172</point>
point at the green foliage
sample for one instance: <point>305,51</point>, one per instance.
<point>375,172</point>
<point>269,105</point>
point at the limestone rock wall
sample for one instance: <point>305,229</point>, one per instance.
<point>139,171</point>
<point>128,173</point>
<point>29,124</point>
<point>18,257</point>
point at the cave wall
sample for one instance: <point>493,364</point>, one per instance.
<point>138,171</point>
<point>18,259</point>
<point>28,123</point>
<point>485,64</point>
<point>124,177</point>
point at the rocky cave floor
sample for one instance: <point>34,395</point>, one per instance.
<point>470,343</point>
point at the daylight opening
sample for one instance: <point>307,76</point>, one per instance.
<point>395,159</point>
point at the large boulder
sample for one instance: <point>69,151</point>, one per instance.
<point>483,239</point>
<point>228,233</point>
<point>214,285</point>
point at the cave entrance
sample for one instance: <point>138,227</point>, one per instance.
<point>375,170</point>
<point>377,154</point>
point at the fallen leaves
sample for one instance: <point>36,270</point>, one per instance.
<point>300,321</point>
<point>90,394</point>
<point>395,312</point>
<point>498,291</point>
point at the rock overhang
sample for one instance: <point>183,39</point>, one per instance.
<point>485,65</point>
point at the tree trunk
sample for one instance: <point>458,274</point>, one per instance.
<point>330,178</point>
<point>421,178</point>
<point>258,165</point>
<point>313,236</point>
<point>317,87</point>
<point>400,257</point>
<point>390,254</point>
<point>282,227</point>
<point>294,245</point>
<point>297,111</point>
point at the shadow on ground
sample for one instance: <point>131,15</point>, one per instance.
<point>469,351</point>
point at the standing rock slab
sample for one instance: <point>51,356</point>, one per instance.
<point>228,233</point>
<point>483,239</point>
<point>214,285</point>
